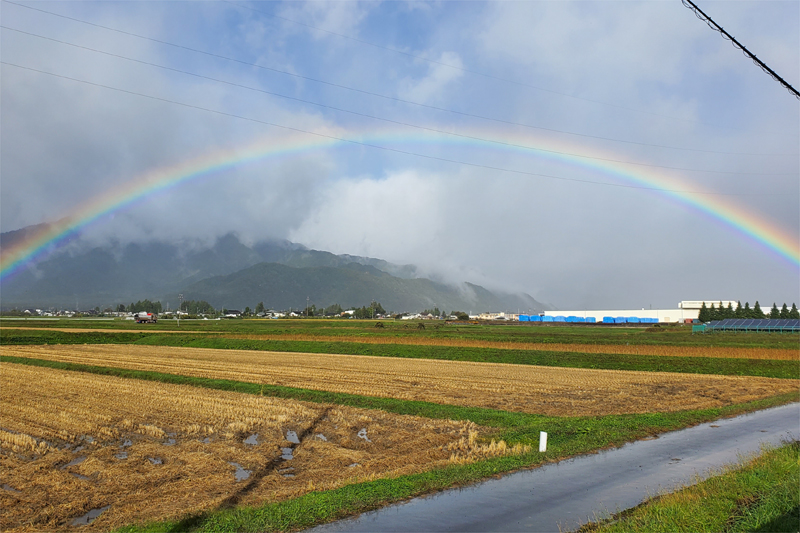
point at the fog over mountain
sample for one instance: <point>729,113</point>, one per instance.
<point>230,274</point>
<point>589,154</point>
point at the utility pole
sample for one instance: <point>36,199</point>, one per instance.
<point>180,305</point>
<point>307,300</point>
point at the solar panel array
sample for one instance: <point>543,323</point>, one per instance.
<point>755,324</point>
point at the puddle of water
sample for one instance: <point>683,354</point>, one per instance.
<point>287,454</point>
<point>241,474</point>
<point>353,465</point>
<point>155,461</point>
<point>170,442</point>
<point>76,450</point>
<point>252,440</point>
<point>321,437</point>
<point>362,434</point>
<point>122,455</point>
<point>88,439</point>
<point>89,517</point>
<point>206,440</point>
<point>79,476</point>
<point>126,443</point>
<point>9,488</point>
<point>291,436</point>
<point>288,475</point>
<point>76,461</point>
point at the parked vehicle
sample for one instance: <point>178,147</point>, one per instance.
<point>145,318</point>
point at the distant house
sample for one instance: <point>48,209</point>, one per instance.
<point>233,313</point>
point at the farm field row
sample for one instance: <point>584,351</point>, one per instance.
<point>393,330</point>
<point>777,354</point>
<point>517,388</point>
<point>72,442</point>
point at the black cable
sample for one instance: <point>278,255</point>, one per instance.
<point>378,95</point>
<point>375,146</point>
<point>714,26</point>
<point>408,124</point>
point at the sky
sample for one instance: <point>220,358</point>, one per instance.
<point>575,151</point>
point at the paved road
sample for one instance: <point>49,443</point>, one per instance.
<point>563,496</point>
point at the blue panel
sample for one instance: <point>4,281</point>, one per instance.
<point>524,318</point>
<point>535,318</point>
<point>632,320</point>
<point>547,319</point>
<point>559,319</point>
<point>590,319</point>
<point>608,320</point>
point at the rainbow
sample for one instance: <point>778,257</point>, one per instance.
<point>49,237</point>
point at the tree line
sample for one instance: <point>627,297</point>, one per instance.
<point>708,314</point>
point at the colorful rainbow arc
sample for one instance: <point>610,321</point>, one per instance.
<point>39,243</point>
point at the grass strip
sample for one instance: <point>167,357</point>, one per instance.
<point>760,495</point>
<point>567,437</point>
<point>643,363</point>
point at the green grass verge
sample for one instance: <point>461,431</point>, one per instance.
<point>644,363</point>
<point>760,495</point>
<point>567,437</point>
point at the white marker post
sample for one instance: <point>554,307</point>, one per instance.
<point>542,441</point>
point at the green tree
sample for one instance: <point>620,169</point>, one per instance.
<point>260,308</point>
<point>334,309</point>
<point>784,311</point>
<point>247,311</point>
<point>739,313</point>
<point>703,316</point>
<point>757,312</point>
<point>747,313</point>
<point>121,308</point>
<point>794,313</point>
<point>729,312</point>
<point>774,312</point>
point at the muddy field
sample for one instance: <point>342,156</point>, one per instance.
<point>521,388</point>
<point>132,450</point>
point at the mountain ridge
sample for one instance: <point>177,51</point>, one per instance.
<point>82,276</point>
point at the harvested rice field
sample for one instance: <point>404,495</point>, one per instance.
<point>134,451</point>
<point>775,354</point>
<point>521,388</point>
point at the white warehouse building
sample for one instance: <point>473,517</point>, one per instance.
<point>686,312</point>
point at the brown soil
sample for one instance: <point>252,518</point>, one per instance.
<point>523,388</point>
<point>51,417</point>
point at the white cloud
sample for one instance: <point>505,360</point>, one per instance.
<point>433,86</point>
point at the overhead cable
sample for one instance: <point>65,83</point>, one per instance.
<point>392,121</point>
<point>375,146</point>
<point>383,96</point>
<point>714,26</point>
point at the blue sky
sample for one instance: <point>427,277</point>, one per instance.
<point>642,82</point>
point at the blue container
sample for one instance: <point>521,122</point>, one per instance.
<point>608,320</point>
<point>590,320</point>
<point>559,319</point>
<point>547,319</point>
<point>619,320</point>
<point>524,318</point>
<point>535,318</point>
<point>632,320</point>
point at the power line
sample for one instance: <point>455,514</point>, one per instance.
<point>714,26</point>
<point>392,121</point>
<point>378,95</point>
<point>375,146</point>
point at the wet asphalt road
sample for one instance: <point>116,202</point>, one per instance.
<point>563,496</point>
